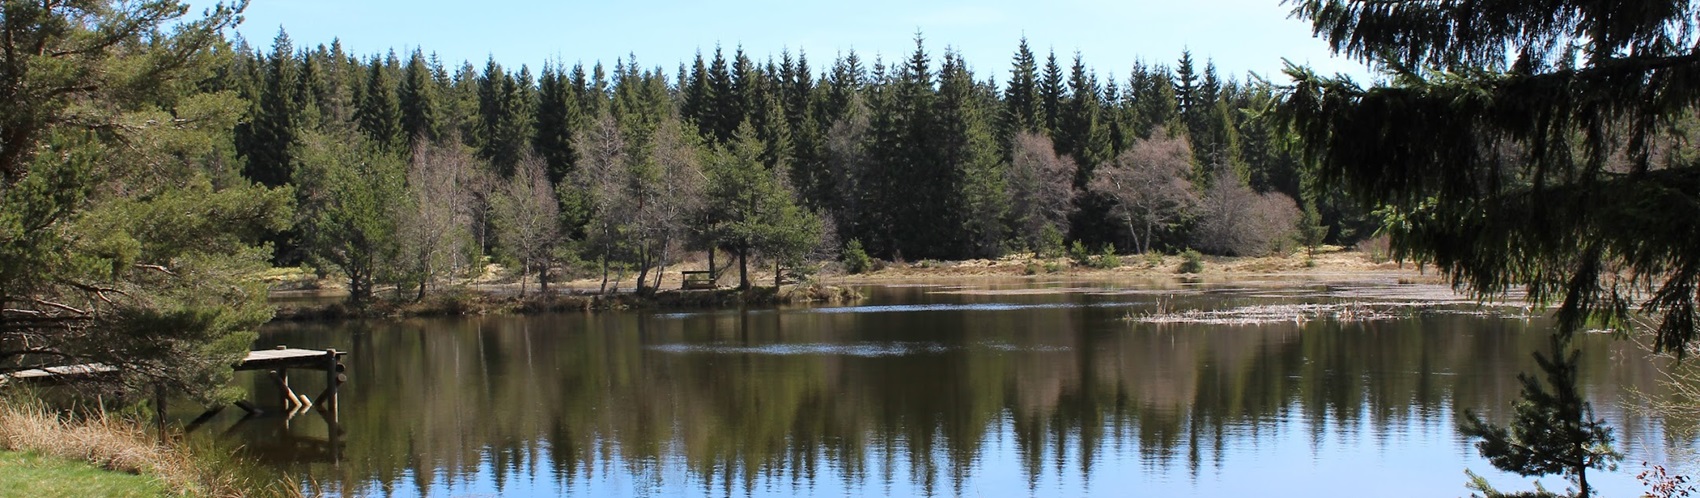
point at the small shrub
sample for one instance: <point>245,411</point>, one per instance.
<point>1191,262</point>
<point>856,259</point>
<point>1153,259</point>
<point>1050,242</point>
<point>1107,260</point>
<point>1055,267</point>
<point>1032,268</point>
<point>1377,249</point>
<point>1077,252</point>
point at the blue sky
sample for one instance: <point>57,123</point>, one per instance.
<point>1239,35</point>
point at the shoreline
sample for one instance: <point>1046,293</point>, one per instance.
<point>493,296</point>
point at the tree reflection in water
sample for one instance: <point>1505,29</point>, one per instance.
<point>927,393</point>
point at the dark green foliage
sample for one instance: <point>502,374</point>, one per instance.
<point>1050,242</point>
<point>1191,262</point>
<point>1551,431</point>
<point>417,99</point>
<point>1079,133</point>
<point>1311,230</point>
<point>758,211</point>
<point>1051,94</point>
<point>558,116</point>
<point>916,157</point>
<point>127,236</point>
<point>348,192</point>
<point>855,259</point>
<point>268,139</point>
<point>1522,144</point>
<point>1022,109</point>
<point>380,108</point>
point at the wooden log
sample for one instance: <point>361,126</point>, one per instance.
<point>203,419</point>
<point>250,408</point>
<point>290,399</point>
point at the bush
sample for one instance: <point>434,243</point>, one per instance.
<point>1153,259</point>
<point>1378,249</point>
<point>1050,243</point>
<point>856,259</point>
<point>1191,262</point>
<point>1077,252</point>
<point>1237,221</point>
<point>1032,268</point>
<point>1107,260</point>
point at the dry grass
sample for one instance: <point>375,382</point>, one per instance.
<point>120,445</point>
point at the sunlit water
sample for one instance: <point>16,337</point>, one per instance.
<point>944,391</point>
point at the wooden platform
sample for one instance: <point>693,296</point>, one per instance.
<point>266,359</point>
<point>275,362</point>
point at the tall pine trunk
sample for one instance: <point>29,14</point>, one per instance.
<point>743,269</point>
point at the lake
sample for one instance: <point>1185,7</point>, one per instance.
<point>1007,388</point>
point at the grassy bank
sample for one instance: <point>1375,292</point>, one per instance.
<point>31,474</point>
<point>43,453</point>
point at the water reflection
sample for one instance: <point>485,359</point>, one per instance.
<point>938,392</point>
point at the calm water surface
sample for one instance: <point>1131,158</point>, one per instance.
<point>989,390</point>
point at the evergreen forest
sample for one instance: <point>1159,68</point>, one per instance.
<point>408,169</point>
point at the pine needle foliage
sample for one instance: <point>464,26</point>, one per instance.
<point>1533,144</point>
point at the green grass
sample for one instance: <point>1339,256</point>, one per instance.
<point>27,474</point>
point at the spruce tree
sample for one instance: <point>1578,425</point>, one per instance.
<point>1051,94</point>
<point>974,207</point>
<point>1521,144</point>
<point>418,101</point>
<point>1021,103</point>
<point>380,109</point>
<point>558,116</point>
<point>1551,431</point>
<point>1186,87</point>
<point>1079,133</point>
<point>274,126</point>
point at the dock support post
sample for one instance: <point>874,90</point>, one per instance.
<point>159,410</point>
<point>290,400</point>
<point>333,380</point>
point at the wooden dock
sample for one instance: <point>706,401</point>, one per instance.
<point>275,362</point>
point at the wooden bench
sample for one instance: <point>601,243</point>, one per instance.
<point>698,280</point>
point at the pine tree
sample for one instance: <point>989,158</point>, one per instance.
<point>418,101</point>
<point>380,109</point>
<point>759,213</point>
<point>1051,95</point>
<point>274,126</point>
<point>1186,87</point>
<point>1521,142</point>
<point>1021,111</point>
<point>976,203</point>
<point>1079,133</point>
<point>128,240</point>
<point>558,116</point>
<point>1551,432</point>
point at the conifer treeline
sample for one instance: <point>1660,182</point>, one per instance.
<point>916,158</point>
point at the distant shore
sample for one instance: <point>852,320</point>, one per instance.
<point>494,293</point>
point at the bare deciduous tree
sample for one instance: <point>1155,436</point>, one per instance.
<point>528,219</point>
<point>598,178</point>
<point>669,190</point>
<point>1149,185</point>
<point>1237,221</point>
<point>1041,187</point>
<point>438,220</point>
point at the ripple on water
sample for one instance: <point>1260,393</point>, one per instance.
<point>867,349</point>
